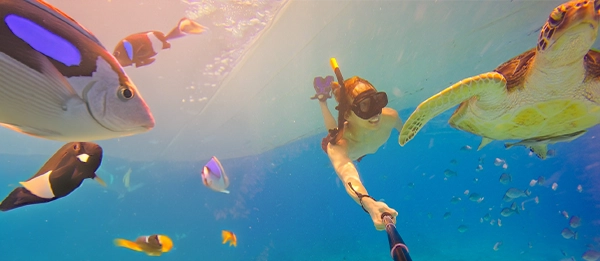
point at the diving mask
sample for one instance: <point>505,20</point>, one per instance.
<point>369,103</point>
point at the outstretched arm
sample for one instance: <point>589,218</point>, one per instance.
<point>330,122</point>
<point>347,172</point>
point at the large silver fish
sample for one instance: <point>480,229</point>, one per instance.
<point>58,82</point>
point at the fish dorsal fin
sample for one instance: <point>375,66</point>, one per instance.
<point>540,150</point>
<point>484,141</point>
<point>65,18</point>
<point>40,186</point>
<point>214,167</point>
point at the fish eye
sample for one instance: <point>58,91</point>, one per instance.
<point>125,93</point>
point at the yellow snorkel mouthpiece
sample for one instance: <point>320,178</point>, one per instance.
<point>334,64</point>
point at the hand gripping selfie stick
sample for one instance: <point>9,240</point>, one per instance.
<point>398,249</point>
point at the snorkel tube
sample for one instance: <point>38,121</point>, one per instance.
<point>398,249</point>
<point>343,104</point>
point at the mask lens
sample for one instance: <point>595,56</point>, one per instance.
<point>369,105</point>
<point>365,104</point>
<point>381,99</point>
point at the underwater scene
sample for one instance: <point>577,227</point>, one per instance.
<point>294,130</point>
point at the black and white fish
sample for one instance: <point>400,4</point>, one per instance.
<point>139,49</point>
<point>59,176</point>
<point>58,82</point>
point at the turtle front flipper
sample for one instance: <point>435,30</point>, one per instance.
<point>487,85</point>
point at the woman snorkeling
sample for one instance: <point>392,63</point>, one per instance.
<point>366,126</point>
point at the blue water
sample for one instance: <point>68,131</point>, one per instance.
<point>287,204</point>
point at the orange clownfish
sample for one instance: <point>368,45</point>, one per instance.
<point>229,236</point>
<point>139,48</point>
<point>153,245</point>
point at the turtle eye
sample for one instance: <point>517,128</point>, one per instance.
<point>125,93</point>
<point>76,146</point>
<point>556,16</point>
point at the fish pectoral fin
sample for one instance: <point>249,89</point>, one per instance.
<point>99,180</point>
<point>540,150</point>
<point>484,141</point>
<point>42,85</point>
<point>54,80</point>
<point>127,244</point>
<point>144,62</point>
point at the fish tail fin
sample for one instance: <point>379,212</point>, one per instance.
<point>20,197</point>
<point>184,27</point>
<point>527,192</point>
<point>127,244</point>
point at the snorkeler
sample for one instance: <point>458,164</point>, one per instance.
<point>365,124</point>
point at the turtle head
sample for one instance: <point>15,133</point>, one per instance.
<point>569,32</point>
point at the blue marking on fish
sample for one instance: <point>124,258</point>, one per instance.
<point>214,167</point>
<point>43,40</point>
<point>128,49</point>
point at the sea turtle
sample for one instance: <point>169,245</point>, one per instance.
<point>548,94</point>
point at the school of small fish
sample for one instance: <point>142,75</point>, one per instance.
<point>512,194</point>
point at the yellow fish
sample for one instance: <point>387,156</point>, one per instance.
<point>153,245</point>
<point>229,236</point>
